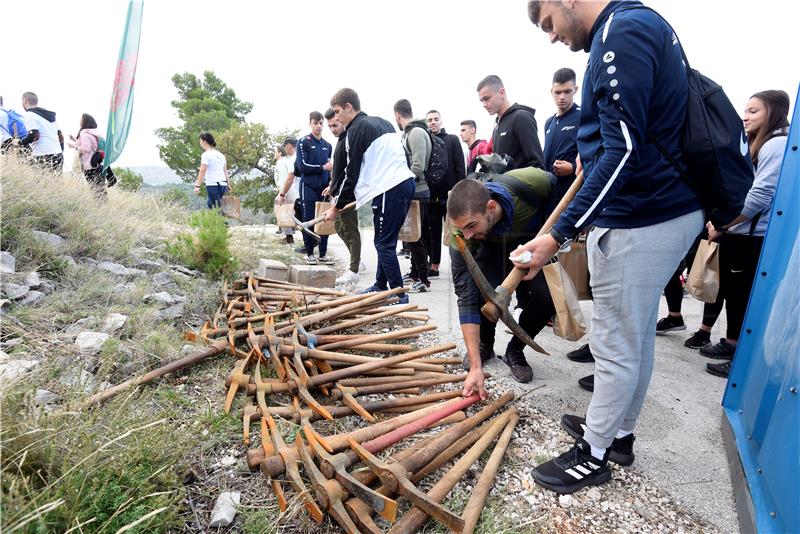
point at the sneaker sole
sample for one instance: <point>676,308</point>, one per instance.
<point>696,347</point>
<point>716,373</point>
<point>598,480</point>
<point>613,456</point>
<point>717,356</point>
<point>671,329</point>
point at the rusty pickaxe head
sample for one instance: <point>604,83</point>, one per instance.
<point>306,227</point>
<point>500,296</point>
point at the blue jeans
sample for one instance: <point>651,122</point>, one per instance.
<point>388,213</point>
<point>215,193</point>
<point>308,199</point>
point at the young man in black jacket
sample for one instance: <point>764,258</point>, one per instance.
<point>437,209</point>
<point>561,131</point>
<point>644,214</point>
<point>376,171</point>
<point>515,132</point>
<point>313,160</point>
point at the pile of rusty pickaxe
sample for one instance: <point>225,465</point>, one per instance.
<point>307,355</point>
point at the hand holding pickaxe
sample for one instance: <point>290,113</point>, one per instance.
<point>328,215</point>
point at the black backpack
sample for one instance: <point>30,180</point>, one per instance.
<point>714,146</point>
<point>437,166</point>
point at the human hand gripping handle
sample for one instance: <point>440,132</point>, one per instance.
<point>474,383</point>
<point>543,247</point>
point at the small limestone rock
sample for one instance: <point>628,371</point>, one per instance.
<point>91,342</point>
<point>225,509</point>
<point>11,343</point>
<point>68,259</point>
<point>47,287</point>
<point>113,268</point>
<point>8,263</point>
<point>163,297</point>
<point>44,396</point>
<point>122,288</point>
<point>173,312</point>
<point>186,271</point>
<point>13,369</point>
<point>32,298</point>
<point>32,280</point>
<point>15,291</point>
<point>77,377</point>
<point>55,241</point>
<point>136,272</point>
<point>187,350</point>
<point>162,279</point>
<point>227,461</point>
<point>148,265</point>
<point>565,501</point>
<point>5,306</point>
<point>593,494</point>
<point>113,322</point>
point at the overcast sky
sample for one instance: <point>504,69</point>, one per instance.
<point>288,58</point>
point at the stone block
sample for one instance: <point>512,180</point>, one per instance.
<point>312,275</point>
<point>274,269</point>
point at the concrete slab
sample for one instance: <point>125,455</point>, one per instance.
<point>274,269</point>
<point>312,275</point>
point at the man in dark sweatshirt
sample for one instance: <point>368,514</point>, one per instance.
<point>515,132</point>
<point>314,163</point>
<point>645,216</point>
<point>561,131</point>
<point>437,209</point>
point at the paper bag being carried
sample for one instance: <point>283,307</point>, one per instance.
<point>411,230</point>
<point>576,263</point>
<point>283,215</point>
<point>568,322</point>
<point>703,281</point>
<point>323,228</point>
<point>230,206</point>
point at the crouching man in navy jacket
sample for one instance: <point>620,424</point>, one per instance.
<point>644,215</point>
<point>377,171</point>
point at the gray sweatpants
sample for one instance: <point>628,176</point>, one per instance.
<point>629,268</point>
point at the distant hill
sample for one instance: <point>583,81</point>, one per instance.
<point>155,175</point>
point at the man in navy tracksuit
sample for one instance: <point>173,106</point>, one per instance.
<point>313,162</point>
<point>377,171</point>
<point>645,216</point>
<point>561,131</point>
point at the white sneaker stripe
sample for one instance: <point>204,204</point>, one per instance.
<point>574,474</point>
<point>583,469</point>
<point>593,466</point>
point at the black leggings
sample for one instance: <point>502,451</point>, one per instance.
<point>418,249</point>
<point>738,263</point>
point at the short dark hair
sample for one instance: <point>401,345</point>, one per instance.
<point>534,6</point>
<point>433,111</point>
<point>469,122</point>
<point>208,138</point>
<point>329,114</point>
<point>346,96</point>
<point>290,141</point>
<point>467,197</point>
<point>30,98</point>
<point>314,116</point>
<point>403,108</point>
<point>492,80</point>
<point>564,75</point>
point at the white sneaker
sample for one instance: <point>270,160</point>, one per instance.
<point>347,278</point>
<point>327,260</point>
<point>362,268</point>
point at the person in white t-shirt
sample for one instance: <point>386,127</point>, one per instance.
<point>44,136</point>
<point>284,167</point>
<point>213,171</point>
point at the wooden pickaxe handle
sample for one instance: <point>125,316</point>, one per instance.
<point>317,220</point>
<point>490,310</point>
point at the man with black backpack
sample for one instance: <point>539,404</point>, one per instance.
<point>418,144</point>
<point>493,218</point>
<point>455,171</point>
<point>645,215</point>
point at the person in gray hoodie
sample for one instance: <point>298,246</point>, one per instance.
<point>417,144</point>
<point>766,122</point>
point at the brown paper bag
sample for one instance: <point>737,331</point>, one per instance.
<point>568,322</point>
<point>703,281</point>
<point>412,226</point>
<point>323,228</point>
<point>283,215</point>
<point>576,263</point>
<point>230,206</point>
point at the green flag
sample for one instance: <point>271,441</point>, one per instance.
<point>119,116</point>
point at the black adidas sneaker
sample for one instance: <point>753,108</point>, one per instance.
<point>573,470</point>
<point>621,450</point>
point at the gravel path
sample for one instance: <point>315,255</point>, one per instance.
<point>680,480</point>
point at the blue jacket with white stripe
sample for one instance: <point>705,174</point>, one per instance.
<point>635,83</point>
<point>312,154</point>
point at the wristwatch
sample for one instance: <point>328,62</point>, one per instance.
<point>563,242</point>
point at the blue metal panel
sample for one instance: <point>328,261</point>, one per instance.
<point>762,397</point>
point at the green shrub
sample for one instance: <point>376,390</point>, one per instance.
<point>128,180</point>
<point>177,196</point>
<point>208,250</point>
